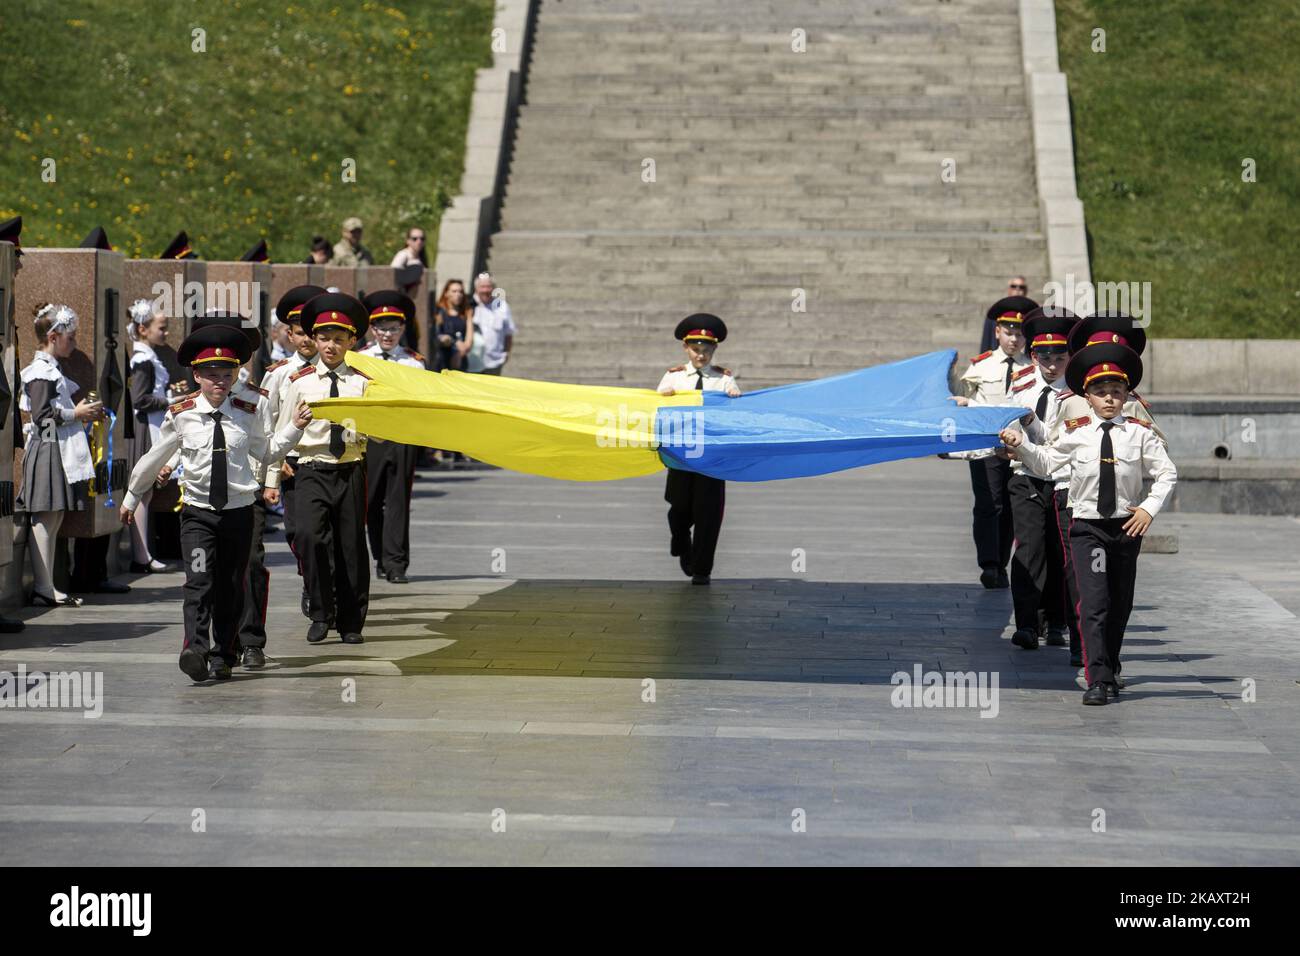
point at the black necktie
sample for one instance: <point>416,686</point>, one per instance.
<point>1106,485</point>
<point>1041,408</point>
<point>218,487</point>
<point>388,356</point>
<point>337,444</point>
<point>1010,359</point>
<point>699,380</point>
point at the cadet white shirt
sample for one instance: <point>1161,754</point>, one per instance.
<point>683,378</point>
<point>189,427</point>
<point>242,389</point>
<point>985,383</point>
<point>310,384</point>
<point>398,353</point>
<point>1074,407</point>
<point>275,382</point>
<point>1138,453</point>
<point>1026,393</point>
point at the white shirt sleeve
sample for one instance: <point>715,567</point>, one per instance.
<point>1159,467</point>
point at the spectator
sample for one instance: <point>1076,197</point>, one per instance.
<point>493,324</point>
<point>413,253</point>
<point>1016,285</point>
<point>281,347</point>
<point>321,250</point>
<point>453,327</point>
<point>349,251</point>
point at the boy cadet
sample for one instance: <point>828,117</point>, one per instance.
<point>330,497</point>
<point>1107,454</point>
<point>1037,565</point>
<point>694,499</point>
<point>390,465</point>
<point>988,381</point>
<point>221,438</point>
<point>1104,327</point>
<point>257,580</point>
<point>281,481</point>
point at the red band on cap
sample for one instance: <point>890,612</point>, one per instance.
<point>183,253</point>
<point>336,319</point>
<point>1011,317</point>
<point>1105,370</point>
<point>700,334</point>
<point>216,356</point>
<point>1049,338</point>
<point>387,312</point>
<point>1103,338</point>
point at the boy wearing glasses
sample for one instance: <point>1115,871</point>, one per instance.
<point>390,465</point>
<point>1037,566</point>
<point>1016,286</point>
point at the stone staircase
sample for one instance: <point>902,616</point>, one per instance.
<point>775,171</point>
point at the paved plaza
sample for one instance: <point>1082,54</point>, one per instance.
<point>502,711</point>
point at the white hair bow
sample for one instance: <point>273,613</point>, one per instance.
<point>141,311</point>
<point>65,320</point>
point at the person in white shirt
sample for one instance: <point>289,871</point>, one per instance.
<point>1037,566</point>
<point>1108,455</point>
<point>988,381</point>
<point>494,323</point>
<point>390,465</point>
<point>695,501</point>
<point>223,444</point>
<point>330,498</point>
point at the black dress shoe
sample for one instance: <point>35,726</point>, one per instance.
<point>195,664</point>
<point>398,577</point>
<point>218,669</point>
<point>1056,635</point>
<point>138,568</point>
<point>989,578</point>
<point>699,579</point>
<point>316,633</point>
<point>1003,580</point>
<point>112,587</point>
<point>1026,637</point>
<point>685,561</point>
<point>253,658</point>
<point>1095,695</point>
<point>353,638</point>
<point>67,601</point>
<point>1112,690</point>
<point>381,572</point>
<point>10,626</point>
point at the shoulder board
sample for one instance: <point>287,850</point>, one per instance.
<point>1139,421</point>
<point>243,405</point>
<point>1142,401</point>
<point>980,358</point>
<point>305,370</point>
<point>415,355</point>
<point>1021,387</point>
<point>724,371</point>
<point>257,388</point>
<point>1027,370</point>
<point>1073,423</point>
<point>678,368</point>
<point>182,405</point>
<point>274,365</point>
<point>1064,394</point>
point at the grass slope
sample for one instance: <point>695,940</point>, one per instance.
<point>245,140</point>
<point>1186,90</point>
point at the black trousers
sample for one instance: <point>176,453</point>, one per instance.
<point>257,586</point>
<point>89,563</point>
<point>330,539</point>
<point>390,471</point>
<point>215,553</point>
<point>287,488</point>
<point>1069,592</point>
<point>1036,565</point>
<point>992,513</point>
<point>1105,569</point>
<point>695,501</point>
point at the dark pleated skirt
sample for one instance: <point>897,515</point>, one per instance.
<point>44,486</point>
